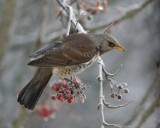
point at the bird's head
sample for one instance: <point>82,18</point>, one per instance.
<point>110,43</point>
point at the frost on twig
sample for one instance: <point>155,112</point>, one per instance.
<point>72,18</point>
<point>108,105</point>
<point>102,102</point>
<point>117,88</point>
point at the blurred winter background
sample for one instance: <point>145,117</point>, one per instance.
<point>26,25</point>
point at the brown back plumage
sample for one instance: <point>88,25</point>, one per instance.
<point>73,49</point>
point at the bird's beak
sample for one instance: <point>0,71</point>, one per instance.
<point>119,47</point>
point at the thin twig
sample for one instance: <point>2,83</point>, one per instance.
<point>79,19</point>
<point>106,73</point>
<point>108,105</point>
<point>130,12</point>
<point>114,125</point>
<point>63,7</point>
<point>69,21</point>
<point>102,98</point>
<point>74,20</point>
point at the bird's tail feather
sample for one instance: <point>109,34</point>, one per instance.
<point>30,94</point>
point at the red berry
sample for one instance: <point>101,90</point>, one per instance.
<point>113,95</point>
<point>56,87</point>
<point>53,97</point>
<point>64,85</point>
<point>70,100</point>
<point>44,111</point>
<point>61,99</point>
<point>59,95</point>
<point>68,92</point>
<point>126,90</point>
<point>119,97</point>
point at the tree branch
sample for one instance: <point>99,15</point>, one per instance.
<point>130,12</point>
<point>102,102</point>
<point>71,14</point>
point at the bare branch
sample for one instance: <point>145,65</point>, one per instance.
<point>73,18</point>
<point>130,12</point>
<point>106,73</point>
<point>114,125</point>
<point>62,6</point>
<point>69,21</point>
<point>101,96</point>
<point>102,102</point>
<point>108,105</point>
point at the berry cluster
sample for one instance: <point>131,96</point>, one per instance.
<point>118,90</point>
<point>46,110</point>
<point>68,89</point>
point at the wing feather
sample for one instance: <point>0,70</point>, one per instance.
<point>75,49</point>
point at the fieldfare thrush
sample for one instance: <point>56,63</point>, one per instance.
<point>69,56</point>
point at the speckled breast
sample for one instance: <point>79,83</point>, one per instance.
<point>68,71</point>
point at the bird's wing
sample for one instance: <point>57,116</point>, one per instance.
<point>75,49</point>
<point>45,50</point>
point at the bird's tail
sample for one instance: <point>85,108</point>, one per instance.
<point>30,94</point>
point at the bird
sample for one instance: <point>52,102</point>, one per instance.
<point>66,57</point>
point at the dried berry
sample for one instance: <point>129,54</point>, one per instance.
<point>126,90</point>
<point>113,95</point>
<point>119,97</point>
<point>120,87</point>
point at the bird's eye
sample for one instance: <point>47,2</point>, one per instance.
<point>111,44</point>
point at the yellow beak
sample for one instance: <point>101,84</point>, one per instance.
<point>119,47</point>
